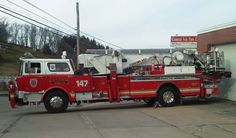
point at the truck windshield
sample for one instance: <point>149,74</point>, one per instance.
<point>20,71</point>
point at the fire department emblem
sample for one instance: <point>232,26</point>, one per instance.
<point>33,83</point>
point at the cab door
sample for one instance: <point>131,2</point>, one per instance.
<point>34,77</point>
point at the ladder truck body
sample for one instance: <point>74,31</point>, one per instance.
<point>55,83</point>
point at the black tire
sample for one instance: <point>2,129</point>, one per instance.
<point>52,107</point>
<point>149,101</point>
<point>168,97</point>
<point>78,103</point>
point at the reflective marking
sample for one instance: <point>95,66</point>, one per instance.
<point>162,80</point>
<point>138,92</point>
<point>143,92</point>
<point>124,92</point>
<point>190,90</point>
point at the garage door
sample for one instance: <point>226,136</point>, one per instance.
<point>228,86</point>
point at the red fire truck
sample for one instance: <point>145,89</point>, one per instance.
<point>54,83</point>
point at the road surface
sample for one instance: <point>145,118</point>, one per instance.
<point>213,119</point>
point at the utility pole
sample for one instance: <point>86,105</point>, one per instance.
<point>78,36</point>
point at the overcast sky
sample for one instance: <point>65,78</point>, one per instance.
<point>135,23</point>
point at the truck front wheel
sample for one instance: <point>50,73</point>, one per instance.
<point>168,96</point>
<point>56,102</point>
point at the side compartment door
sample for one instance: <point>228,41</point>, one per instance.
<point>124,86</point>
<point>83,87</point>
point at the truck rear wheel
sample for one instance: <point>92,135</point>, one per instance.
<point>168,97</point>
<point>56,102</point>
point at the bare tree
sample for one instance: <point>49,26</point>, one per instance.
<point>43,34</point>
<point>26,34</point>
<point>4,34</point>
<point>14,31</point>
<point>21,35</point>
<point>40,34</point>
<point>32,37</point>
<point>57,39</point>
<point>53,40</point>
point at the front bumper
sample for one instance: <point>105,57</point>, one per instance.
<point>22,98</point>
<point>11,93</point>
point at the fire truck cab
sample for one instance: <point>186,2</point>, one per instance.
<point>45,66</point>
<point>31,83</point>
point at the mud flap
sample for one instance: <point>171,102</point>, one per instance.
<point>12,94</point>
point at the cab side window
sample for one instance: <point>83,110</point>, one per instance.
<point>33,68</point>
<point>58,67</point>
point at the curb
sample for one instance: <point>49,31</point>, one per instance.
<point>3,93</point>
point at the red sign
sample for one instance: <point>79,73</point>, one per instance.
<point>183,38</point>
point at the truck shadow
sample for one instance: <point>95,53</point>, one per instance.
<point>128,105</point>
<point>197,102</point>
<point>90,107</point>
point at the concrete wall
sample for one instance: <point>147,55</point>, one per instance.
<point>228,86</point>
<point>4,82</point>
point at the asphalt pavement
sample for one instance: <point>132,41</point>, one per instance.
<point>212,119</point>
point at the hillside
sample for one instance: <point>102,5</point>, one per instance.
<point>9,59</point>
<point>37,38</point>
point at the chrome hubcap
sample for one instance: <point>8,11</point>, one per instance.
<point>168,97</point>
<point>56,102</point>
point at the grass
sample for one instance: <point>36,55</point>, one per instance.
<point>9,60</point>
<point>9,69</point>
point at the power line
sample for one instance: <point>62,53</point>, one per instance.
<point>101,40</point>
<point>68,24</point>
<point>31,4</point>
<point>36,25</point>
<point>28,22</point>
<point>31,23</point>
<point>38,15</point>
<point>48,13</point>
<point>7,9</point>
<point>33,20</point>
